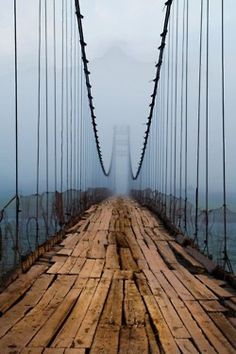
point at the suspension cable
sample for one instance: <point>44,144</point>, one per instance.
<point>156,82</point>
<point>88,84</point>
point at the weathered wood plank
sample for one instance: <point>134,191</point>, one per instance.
<point>112,258</point>
<point>166,339</point>
<point>21,334</point>
<point>19,287</point>
<point>197,336</point>
<point>68,332</point>
<point>51,327</point>
<point>133,340</point>
<point>30,300</point>
<point>85,334</point>
<point>225,326</point>
<point>134,309</point>
<point>213,334</point>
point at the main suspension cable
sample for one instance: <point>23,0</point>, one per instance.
<point>88,85</point>
<point>156,82</point>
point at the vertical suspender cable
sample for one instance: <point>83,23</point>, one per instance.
<point>71,106</point>
<point>167,120</point>
<point>176,105</point>
<point>181,119</point>
<point>171,114</point>
<point>16,133</point>
<point>225,251</point>
<point>38,120</point>
<point>55,102</point>
<point>55,93</point>
<point>186,119</point>
<point>62,92</point>
<point>46,103</point>
<point>206,248</point>
<point>198,125</point>
<point>67,109</point>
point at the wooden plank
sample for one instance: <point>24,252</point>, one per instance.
<point>111,238</point>
<point>181,290</point>
<point>97,268</point>
<point>206,262</point>
<point>65,251</point>
<point>213,334</point>
<point>21,334</point>
<point>71,240</point>
<point>87,268</point>
<point>123,274</point>
<point>81,249</point>
<point>85,334</point>
<point>212,306</point>
<point>197,289</point>
<point>53,351</point>
<point>68,332</point>
<point>152,257</point>
<point>225,326</point>
<point>76,268</point>
<point>152,338</point>
<point>169,290</point>
<point>127,261</point>
<point>67,266</point>
<point>133,340</point>
<point>112,259</point>
<point>58,258</point>
<point>212,284</point>
<point>197,336</point>
<point>27,351</point>
<point>134,309</point>
<point>167,254</point>
<point>121,239</point>
<point>19,287</point>
<point>54,323</point>
<point>189,259</point>
<point>54,269</point>
<point>152,281</point>
<point>105,221</point>
<point>106,338</point>
<point>75,351</point>
<point>166,339</point>
<point>186,346</point>
<point>30,300</point>
<point>97,247</point>
<point>171,317</point>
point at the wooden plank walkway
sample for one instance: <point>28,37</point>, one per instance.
<point>118,283</point>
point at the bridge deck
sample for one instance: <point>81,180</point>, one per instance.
<point>118,283</point>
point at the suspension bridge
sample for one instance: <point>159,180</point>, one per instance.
<point>83,270</point>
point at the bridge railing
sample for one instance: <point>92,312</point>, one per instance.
<point>186,170</point>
